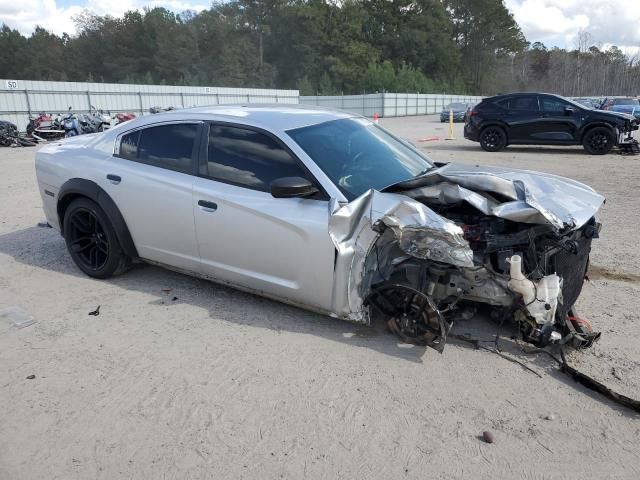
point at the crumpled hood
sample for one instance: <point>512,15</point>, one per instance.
<point>518,195</point>
<point>616,114</point>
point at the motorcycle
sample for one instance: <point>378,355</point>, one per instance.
<point>45,127</point>
<point>83,123</point>
<point>124,117</point>
<point>101,119</point>
<point>71,125</point>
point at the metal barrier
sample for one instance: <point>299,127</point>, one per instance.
<point>389,104</point>
<point>21,99</point>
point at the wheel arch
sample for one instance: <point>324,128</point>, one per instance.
<point>494,123</point>
<point>80,187</point>
<point>593,125</point>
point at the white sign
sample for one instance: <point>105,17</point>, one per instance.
<point>12,84</point>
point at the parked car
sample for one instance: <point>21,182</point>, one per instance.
<point>459,112</point>
<point>609,102</point>
<point>545,119</point>
<point>628,105</point>
<point>328,211</point>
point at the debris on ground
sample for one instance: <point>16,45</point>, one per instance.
<point>96,312</point>
<point>174,299</point>
<point>9,136</point>
<point>18,316</point>
<point>44,225</point>
<point>488,437</point>
<point>31,377</point>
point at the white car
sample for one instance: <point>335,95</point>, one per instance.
<point>328,211</point>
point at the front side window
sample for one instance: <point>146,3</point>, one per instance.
<point>248,158</point>
<point>357,155</point>
<point>164,146</point>
<point>554,105</point>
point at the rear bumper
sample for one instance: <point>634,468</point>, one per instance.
<point>471,132</point>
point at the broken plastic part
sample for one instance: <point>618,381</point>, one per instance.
<point>541,297</point>
<point>18,316</point>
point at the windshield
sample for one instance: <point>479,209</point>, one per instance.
<point>456,106</point>
<point>577,103</point>
<point>357,155</point>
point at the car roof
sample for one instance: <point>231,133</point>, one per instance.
<point>269,116</point>
<point>519,94</point>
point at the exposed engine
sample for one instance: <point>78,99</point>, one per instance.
<point>527,273</point>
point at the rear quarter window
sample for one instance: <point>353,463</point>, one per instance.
<point>165,146</point>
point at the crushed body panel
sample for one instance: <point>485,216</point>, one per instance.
<point>453,219</point>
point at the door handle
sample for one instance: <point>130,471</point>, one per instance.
<point>206,206</point>
<point>115,179</point>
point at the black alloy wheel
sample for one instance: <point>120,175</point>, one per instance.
<point>87,239</point>
<point>493,139</point>
<point>598,141</point>
<point>91,240</point>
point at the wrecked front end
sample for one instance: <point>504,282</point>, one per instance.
<point>436,249</point>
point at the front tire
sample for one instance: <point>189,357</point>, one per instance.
<point>493,138</point>
<point>92,241</point>
<point>598,141</point>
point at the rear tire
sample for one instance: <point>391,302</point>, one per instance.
<point>92,241</point>
<point>493,138</point>
<point>598,141</point>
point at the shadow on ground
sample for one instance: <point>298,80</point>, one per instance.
<point>45,249</point>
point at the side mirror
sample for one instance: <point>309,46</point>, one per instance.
<point>291,187</point>
<point>569,110</point>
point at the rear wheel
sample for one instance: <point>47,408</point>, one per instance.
<point>598,141</point>
<point>91,240</point>
<point>493,138</point>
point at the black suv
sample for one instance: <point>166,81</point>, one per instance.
<point>545,119</point>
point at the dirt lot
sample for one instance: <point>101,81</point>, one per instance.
<point>222,384</point>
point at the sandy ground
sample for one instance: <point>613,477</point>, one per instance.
<point>223,384</point>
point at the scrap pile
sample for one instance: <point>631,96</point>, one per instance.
<point>9,136</point>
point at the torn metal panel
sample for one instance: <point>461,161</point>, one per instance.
<point>419,231</point>
<point>517,195</point>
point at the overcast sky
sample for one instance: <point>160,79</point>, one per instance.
<point>553,22</point>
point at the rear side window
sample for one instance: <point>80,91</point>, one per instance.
<point>248,158</point>
<point>164,146</point>
<point>523,104</point>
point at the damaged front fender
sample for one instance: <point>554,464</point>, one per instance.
<point>419,231</point>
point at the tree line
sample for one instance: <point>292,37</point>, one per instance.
<point>317,46</point>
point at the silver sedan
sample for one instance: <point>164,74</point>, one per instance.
<point>328,211</point>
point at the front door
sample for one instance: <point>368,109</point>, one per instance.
<point>277,246</point>
<point>560,121</point>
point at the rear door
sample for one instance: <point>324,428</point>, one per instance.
<point>560,121</point>
<point>278,246</point>
<point>150,178</point>
<point>523,117</point>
